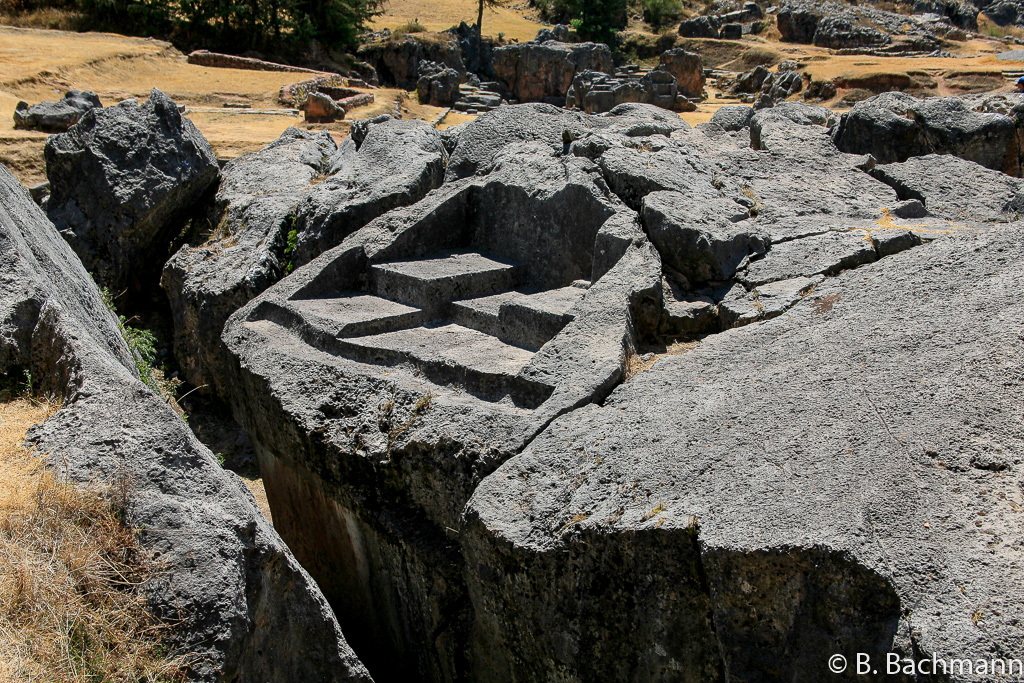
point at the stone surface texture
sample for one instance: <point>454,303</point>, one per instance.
<point>239,601</point>
<point>123,181</point>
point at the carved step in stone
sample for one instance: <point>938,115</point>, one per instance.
<point>359,314</point>
<point>432,284</point>
<point>527,320</point>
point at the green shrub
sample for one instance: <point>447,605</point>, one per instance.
<point>657,13</point>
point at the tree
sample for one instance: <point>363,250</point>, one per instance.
<point>480,13</point>
<point>602,18</point>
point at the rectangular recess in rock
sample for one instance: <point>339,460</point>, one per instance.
<point>433,283</point>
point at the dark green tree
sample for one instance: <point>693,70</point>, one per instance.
<point>601,19</point>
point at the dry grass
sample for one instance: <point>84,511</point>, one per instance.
<point>440,16</point>
<point>70,568</point>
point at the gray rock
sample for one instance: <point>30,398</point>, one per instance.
<point>439,89</point>
<point>700,239</point>
<point>56,117</point>
<point>824,254</point>
<point>481,141</point>
<point>687,68</point>
<point>797,23</point>
<point>820,482</point>
<point>733,116</point>
<point>255,208</point>
<point>321,108</point>
<point>123,181</point>
<point>396,164</point>
<point>595,92</point>
<point>700,27</point>
<point>536,72</point>
<point>397,61</point>
<point>955,189</point>
<point>841,32</point>
<point>239,603</point>
<point>459,327</point>
<point>895,126</point>
<point>740,307</point>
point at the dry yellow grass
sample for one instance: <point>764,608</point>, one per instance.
<point>37,65</point>
<point>69,569</point>
<point>439,16</point>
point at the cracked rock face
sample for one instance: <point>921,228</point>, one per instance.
<point>393,163</point>
<point>255,208</point>
<point>464,442</point>
<point>238,600</point>
<point>123,181</point>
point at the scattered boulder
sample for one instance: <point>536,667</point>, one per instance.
<point>544,72</point>
<point>896,126</point>
<point>237,602</point>
<point>700,27</point>
<point>56,117</point>
<point>397,60</point>
<point>840,32</point>
<point>384,165</point>
<point>255,208</point>
<point>321,108</point>
<point>123,182</point>
<point>595,92</point>
<point>688,70</point>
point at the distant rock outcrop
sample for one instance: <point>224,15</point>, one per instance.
<point>544,72</point>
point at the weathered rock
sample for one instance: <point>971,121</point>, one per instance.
<point>731,32</point>
<point>825,483</point>
<point>321,108</point>
<point>789,123</point>
<point>955,189</point>
<point>481,141</point>
<point>389,164</point>
<point>687,68</point>
<point>440,89</point>
<point>240,605</point>
<point>536,72</point>
<point>797,23</point>
<point>733,117</point>
<point>56,117</point>
<point>443,377</point>
<point>256,205</point>
<point>840,32</point>
<point>895,126</point>
<point>700,27</point>
<point>397,61</point>
<point>123,181</point>
<point>703,240</point>
<point>824,254</point>
<point>595,92</point>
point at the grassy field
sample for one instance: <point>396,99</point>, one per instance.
<point>514,22</point>
<point>37,65</point>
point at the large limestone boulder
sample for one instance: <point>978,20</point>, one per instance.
<point>255,209</point>
<point>56,117</point>
<point>236,598</point>
<point>896,126</point>
<point>122,183</point>
<point>459,326</point>
<point>424,394</point>
<point>398,60</point>
<point>382,166</point>
<point>543,72</point>
<point>841,479</point>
